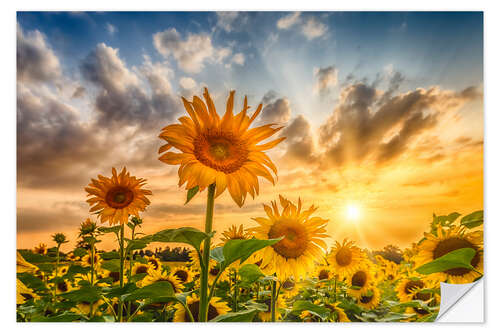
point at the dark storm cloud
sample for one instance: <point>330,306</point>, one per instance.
<point>36,61</point>
<point>41,219</point>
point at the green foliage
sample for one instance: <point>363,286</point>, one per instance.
<point>460,258</point>
<point>191,193</point>
<point>89,294</point>
<point>240,316</point>
<point>317,310</point>
<point>473,220</point>
<point>249,274</point>
<point>242,249</point>
<point>155,290</point>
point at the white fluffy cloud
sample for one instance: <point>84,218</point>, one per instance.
<point>111,29</point>
<point>226,19</point>
<point>313,29</point>
<point>190,53</point>
<point>286,22</point>
<point>36,61</point>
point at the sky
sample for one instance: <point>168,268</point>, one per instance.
<point>382,111</point>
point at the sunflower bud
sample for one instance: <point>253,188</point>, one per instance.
<point>59,238</point>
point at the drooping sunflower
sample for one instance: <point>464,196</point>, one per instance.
<point>156,276</point>
<point>117,197</point>
<point>369,299</point>
<point>266,315</point>
<point>448,240</point>
<point>302,244</point>
<point>40,249</point>
<point>360,280</point>
<point>216,307</point>
<point>337,313</point>
<point>219,150</point>
<point>183,273</point>
<point>345,258</point>
<point>24,293</point>
<point>140,268</point>
<point>23,266</point>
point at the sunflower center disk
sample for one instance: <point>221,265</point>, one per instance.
<point>220,151</point>
<point>343,257</point>
<point>452,244</point>
<point>359,279</point>
<point>181,275</point>
<point>119,197</point>
<point>295,240</point>
<point>411,285</point>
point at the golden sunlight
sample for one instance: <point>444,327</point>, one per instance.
<point>353,212</point>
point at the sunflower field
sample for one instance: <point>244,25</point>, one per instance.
<point>278,268</point>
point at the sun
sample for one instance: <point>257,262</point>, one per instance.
<point>353,212</point>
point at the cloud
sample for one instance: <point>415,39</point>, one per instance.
<point>313,29</point>
<point>286,22</point>
<point>276,110</point>
<point>79,92</point>
<point>187,85</point>
<point>225,20</point>
<point>122,99</point>
<point>191,53</point>
<point>239,59</point>
<point>368,125</point>
<point>111,29</point>
<point>299,140</point>
<point>326,78</point>
<point>36,61</point>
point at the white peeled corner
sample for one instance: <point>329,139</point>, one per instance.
<point>462,303</point>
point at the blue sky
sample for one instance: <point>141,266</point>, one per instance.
<point>369,101</point>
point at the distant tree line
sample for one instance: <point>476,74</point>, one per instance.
<point>166,254</point>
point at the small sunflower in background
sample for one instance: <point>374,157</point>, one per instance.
<point>308,316</point>
<point>24,293</point>
<point>224,151</point>
<point>216,308</point>
<point>72,257</point>
<point>234,232</point>
<point>408,287</point>
<point>155,262</point>
<point>83,307</point>
<point>360,280</point>
<point>266,315</point>
<point>115,198</point>
<point>345,258</point>
<point>431,299</point>
<point>369,299</point>
<point>337,313</point>
<point>87,260</point>
<point>157,276</point>
<point>302,241</point>
<point>448,240</point>
<point>391,271</point>
<point>323,273</point>
<point>290,287</point>
<point>40,248</point>
<point>140,268</point>
<point>62,286</point>
<point>113,276</point>
<point>183,273</point>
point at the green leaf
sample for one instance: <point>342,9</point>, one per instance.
<point>460,258</point>
<point>64,317</point>
<point>77,269</point>
<point>240,316</point>
<point>241,249</point>
<point>80,252</point>
<point>217,254</point>
<point>191,193</point>
<point>84,294</point>
<point>35,258</point>
<point>106,230</point>
<point>32,281</point>
<point>157,289</point>
<point>250,273</point>
<point>318,310</point>
<point>111,265</point>
<point>118,291</point>
<point>191,236</point>
<point>393,316</point>
<point>110,255</point>
<point>473,220</point>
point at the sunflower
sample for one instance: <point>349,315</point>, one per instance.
<point>117,197</point>
<point>221,151</point>
<point>369,299</point>
<point>24,293</point>
<point>72,257</point>
<point>215,308</point>
<point>266,315</point>
<point>62,286</point>
<point>308,316</point>
<point>301,246</point>
<point>83,307</point>
<point>155,262</point>
<point>407,288</point>
<point>157,276</point>
<point>235,233</point>
<point>183,273</point>
<point>40,249</point>
<point>390,271</point>
<point>345,258</point>
<point>23,266</point>
<point>87,260</point>
<point>431,299</point>
<point>140,268</point>
<point>360,280</point>
<point>113,276</point>
<point>290,287</point>
<point>337,313</point>
<point>454,238</point>
<point>322,273</point>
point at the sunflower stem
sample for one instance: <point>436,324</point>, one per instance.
<point>57,269</point>
<point>131,259</point>
<point>203,311</point>
<point>91,275</point>
<point>235,292</point>
<point>122,262</point>
<point>273,301</point>
<point>335,290</point>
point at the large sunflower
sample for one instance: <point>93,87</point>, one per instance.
<point>219,150</point>
<point>448,240</point>
<point>345,258</point>
<point>215,308</point>
<point>302,241</point>
<point>117,197</point>
<point>140,268</point>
